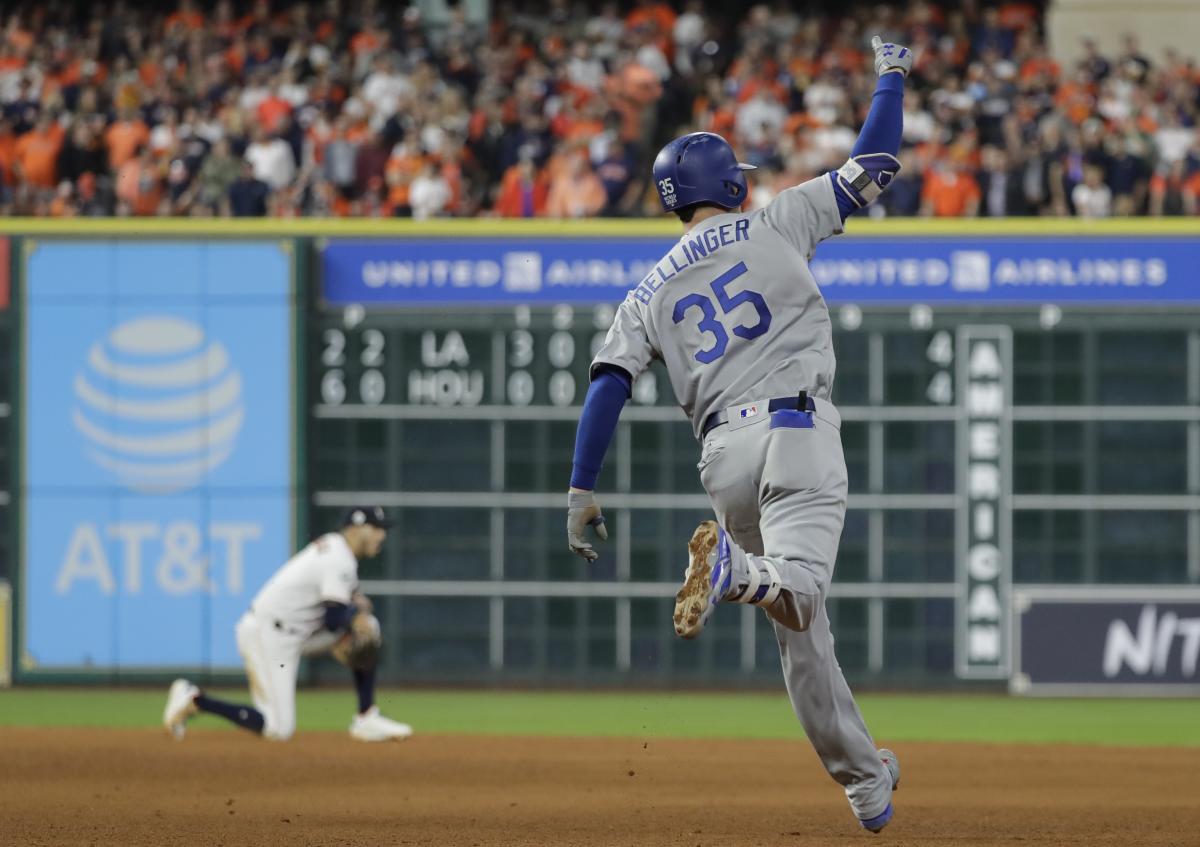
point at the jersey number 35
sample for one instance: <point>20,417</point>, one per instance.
<point>727,302</point>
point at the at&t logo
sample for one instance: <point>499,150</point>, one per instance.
<point>158,405</point>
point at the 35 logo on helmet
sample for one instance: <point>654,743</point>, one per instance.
<point>666,187</point>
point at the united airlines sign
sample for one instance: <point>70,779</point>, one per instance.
<point>942,270</point>
<point>984,271</point>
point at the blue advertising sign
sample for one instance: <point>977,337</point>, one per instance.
<point>159,457</point>
<point>487,271</point>
<point>864,270</point>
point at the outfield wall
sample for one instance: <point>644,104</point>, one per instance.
<point>183,403</point>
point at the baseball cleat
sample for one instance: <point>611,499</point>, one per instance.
<point>705,581</point>
<point>877,823</point>
<point>181,705</point>
<point>372,726</point>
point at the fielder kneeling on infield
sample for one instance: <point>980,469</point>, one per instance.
<point>311,605</point>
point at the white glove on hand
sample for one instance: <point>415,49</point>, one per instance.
<point>583,511</point>
<point>891,58</point>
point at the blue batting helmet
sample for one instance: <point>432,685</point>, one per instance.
<point>699,168</point>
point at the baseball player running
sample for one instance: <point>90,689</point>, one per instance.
<point>735,315</point>
<point>311,605</point>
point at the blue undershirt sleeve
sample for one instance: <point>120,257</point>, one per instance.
<point>881,131</point>
<point>884,126</point>
<point>601,410</point>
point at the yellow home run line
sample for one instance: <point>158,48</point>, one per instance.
<point>599,228</point>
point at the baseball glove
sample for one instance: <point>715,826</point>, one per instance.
<point>359,648</point>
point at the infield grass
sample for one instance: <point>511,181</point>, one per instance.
<point>891,717</point>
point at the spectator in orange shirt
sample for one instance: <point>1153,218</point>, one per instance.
<point>139,185</point>
<point>580,124</point>
<point>94,201</point>
<point>1018,15</point>
<point>21,39</point>
<point>1039,63</point>
<point>402,168</point>
<point>1191,194</point>
<point>124,138</point>
<point>949,191</point>
<point>365,45</point>
<point>1076,98</point>
<point>37,153</point>
<point>9,59</point>
<point>657,15</point>
<point>522,191</point>
<point>714,110</point>
<point>273,109</point>
<point>150,69</point>
<point>453,164</point>
<point>576,192</point>
<point>8,150</point>
<point>186,18</point>
<point>635,91</point>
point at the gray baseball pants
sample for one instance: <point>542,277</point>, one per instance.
<point>780,494</point>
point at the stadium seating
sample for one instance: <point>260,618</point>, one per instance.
<point>555,109</point>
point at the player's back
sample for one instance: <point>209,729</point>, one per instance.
<point>324,570</point>
<point>733,310</point>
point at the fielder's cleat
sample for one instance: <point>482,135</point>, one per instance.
<point>372,726</point>
<point>877,823</point>
<point>181,705</point>
<point>705,581</point>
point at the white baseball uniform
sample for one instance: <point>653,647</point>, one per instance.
<point>735,314</point>
<point>286,621</point>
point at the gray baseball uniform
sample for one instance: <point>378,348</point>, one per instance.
<point>734,313</point>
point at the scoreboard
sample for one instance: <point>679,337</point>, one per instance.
<point>991,441</point>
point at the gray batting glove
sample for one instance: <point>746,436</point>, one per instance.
<point>891,58</point>
<point>583,511</point>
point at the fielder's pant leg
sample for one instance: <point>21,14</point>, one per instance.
<point>272,660</point>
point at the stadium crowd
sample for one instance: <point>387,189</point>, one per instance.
<point>360,107</point>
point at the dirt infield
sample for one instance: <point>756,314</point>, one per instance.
<point>60,788</point>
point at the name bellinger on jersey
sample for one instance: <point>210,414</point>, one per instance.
<point>692,250</point>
